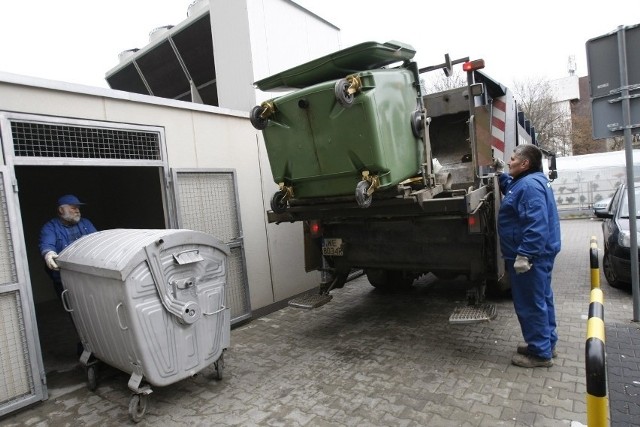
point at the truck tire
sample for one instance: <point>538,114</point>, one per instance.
<point>388,280</point>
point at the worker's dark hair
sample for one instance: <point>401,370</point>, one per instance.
<point>531,153</point>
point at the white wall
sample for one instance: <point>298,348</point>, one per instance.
<point>284,35</point>
<point>197,136</point>
<point>566,88</point>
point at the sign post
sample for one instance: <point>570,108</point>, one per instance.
<point>615,102</point>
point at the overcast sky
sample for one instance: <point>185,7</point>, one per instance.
<point>79,41</point>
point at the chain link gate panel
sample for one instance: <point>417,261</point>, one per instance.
<point>20,383</point>
<point>207,201</point>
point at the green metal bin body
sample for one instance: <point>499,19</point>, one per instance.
<point>320,148</point>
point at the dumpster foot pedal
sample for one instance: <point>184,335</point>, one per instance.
<point>310,301</point>
<point>473,313</point>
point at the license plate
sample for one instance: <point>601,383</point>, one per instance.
<point>332,247</point>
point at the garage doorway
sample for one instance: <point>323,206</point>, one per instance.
<point>115,197</point>
<point>120,171</point>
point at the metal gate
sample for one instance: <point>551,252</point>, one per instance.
<point>21,369</point>
<point>206,200</point>
<point>29,139</point>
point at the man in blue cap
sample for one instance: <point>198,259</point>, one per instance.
<point>60,232</point>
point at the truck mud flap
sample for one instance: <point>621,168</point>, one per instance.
<point>473,313</point>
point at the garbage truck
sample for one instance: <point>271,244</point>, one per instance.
<point>386,178</point>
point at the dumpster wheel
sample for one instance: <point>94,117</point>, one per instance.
<point>219,365</point>
<point>279,201</point>
<point>362,194</point>
<point>92,377</point>
<point>256,119</point>
<point>341,91</point>
<point>138,407</point>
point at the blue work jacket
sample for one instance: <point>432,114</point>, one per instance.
<point>528,222</point>
<point>55,235</point>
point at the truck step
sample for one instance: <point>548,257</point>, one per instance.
<point>473,313</point>
<point>310,301</point>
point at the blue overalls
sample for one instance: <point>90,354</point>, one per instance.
<point>528,225</point>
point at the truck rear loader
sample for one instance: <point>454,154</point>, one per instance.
<point>389,179</point>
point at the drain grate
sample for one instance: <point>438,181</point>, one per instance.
<point>310,301</point>
<point>473,313</point>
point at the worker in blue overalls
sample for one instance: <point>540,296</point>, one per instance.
<point>529,230</point>
<point>60,232</point>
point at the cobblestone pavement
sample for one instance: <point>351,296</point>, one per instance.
<point>371,359</point>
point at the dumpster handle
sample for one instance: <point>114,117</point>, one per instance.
<point>222,308</point>
<point>124,328</point>
<point>64,301</point>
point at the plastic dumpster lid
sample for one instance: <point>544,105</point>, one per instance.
<point>115,253</point>
<point>360,57</point>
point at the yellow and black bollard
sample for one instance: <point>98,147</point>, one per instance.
<point>595,351</point>
<point>593,260</point>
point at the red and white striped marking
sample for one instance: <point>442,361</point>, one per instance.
<point>498,119</point>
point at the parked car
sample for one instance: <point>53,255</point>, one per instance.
<point>616,261</point>
<point>601,207</point>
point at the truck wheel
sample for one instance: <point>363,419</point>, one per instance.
<point>388,280</point>
<point>255,119</point>
<point>278,202</point>
<point>342,95</point>
<point>362,197</point>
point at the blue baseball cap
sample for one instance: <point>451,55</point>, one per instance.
<point>69,199</point>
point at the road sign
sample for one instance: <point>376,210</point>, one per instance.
<point>603,61</point>
<point>607,115</point>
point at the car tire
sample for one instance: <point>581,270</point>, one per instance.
<point>609,272</point>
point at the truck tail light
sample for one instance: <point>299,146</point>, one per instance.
<point>315,229</point>
<point>473,65</point>
<point>474,224</point>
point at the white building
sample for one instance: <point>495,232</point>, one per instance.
<point>565,90</point>
<point>147,162</point>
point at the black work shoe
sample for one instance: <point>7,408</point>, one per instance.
<point>523,348</point>
<point>531,361</point>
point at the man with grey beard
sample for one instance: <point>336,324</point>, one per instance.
<point>60,232</point>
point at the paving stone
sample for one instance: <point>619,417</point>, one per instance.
<point>375,359</point>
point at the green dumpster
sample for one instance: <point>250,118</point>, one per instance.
<point>332,136</point>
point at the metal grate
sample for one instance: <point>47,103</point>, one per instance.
<point>14,358</point>
<point>207,202</point>
<point>8,273</point>
<point>236,291</point>
<point>67,141</point>
<point>473,313</point>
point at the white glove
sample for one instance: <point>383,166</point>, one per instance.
<point>50,259</point>
<point>522,264</point>
<point>498,164</point>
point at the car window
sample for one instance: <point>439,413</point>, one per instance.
<point>613,207</point>
<point>624,209</point>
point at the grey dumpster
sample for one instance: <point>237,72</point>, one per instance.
<point>148,302</point>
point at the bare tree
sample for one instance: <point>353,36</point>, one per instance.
<point>438,82</point>
<point>552,124</point>
<point>582,139</point>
